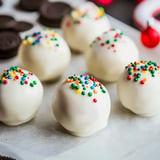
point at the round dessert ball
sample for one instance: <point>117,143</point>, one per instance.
<point>21,94</point>
<point>139,89</point>
<point>84,24</point>
<point>44,53</point>
<point>109,53</point>
<point>82,105</point>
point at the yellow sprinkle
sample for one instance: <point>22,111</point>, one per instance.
<point>78,91</point>
<point>3,78</point>
<point>145,72</point>
<point>48,42</point>
<point>101,12</point>
<point>25,42</point>
<point>12,73</point>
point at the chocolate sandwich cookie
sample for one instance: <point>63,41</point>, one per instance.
<point>9,43</point>
<point>1,3</point>
<point>6,158</point>
<point>30,5</point>
<point>51,13</point>
<point>21,26</point>
<point>6,22</point>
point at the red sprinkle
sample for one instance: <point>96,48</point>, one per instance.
<point>135,74</point>
<point>142,82</point>
<point>129,78</point>
<point>16,77</point>
<point>99,38</point>
<point>102,44</point>
<point>26,82</point>
<point>95,100</point>
<point>113,45</point>
<point>5,82</point>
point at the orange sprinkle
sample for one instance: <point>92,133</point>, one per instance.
<point>95,91</point>
<point>144,79</point>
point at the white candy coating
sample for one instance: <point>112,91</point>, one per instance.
<point>82,115</point>
<point>83,24</point>
<point>19,99</point>
<point>109,53</point>
<point>140,96</point>
<point>45,53</point>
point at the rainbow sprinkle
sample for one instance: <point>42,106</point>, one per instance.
<point>46,37</point>
<point>91,12</point>
<point>137,69</point>
<point>16,74</point>
<point>85,85</point>
<point>110,44</point>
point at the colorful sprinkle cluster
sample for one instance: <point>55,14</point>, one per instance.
<point>137,69</point>
<point>109,43</point>
<point>46,37</point>
<point>85,85</point>
<point>92,12</point>
<point>16,74</point>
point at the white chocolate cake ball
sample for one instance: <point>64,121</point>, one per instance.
<point>139,88</point>
<point>21,94</point>
<point>109,53</point>
<point>44,53</point>
<point>84,24</point>
<point>82,105</point>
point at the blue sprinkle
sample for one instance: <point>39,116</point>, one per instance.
<point>86,78</point>
<point>81,75</point>
<point>95,84</point>
<point>142,67</point>
<point>86,82</point>
<point>9,77</point>
<point>23,78</point>
<point>129,69</point>
<point>92,87</point>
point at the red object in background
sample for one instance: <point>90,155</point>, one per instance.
<point>104,2</point>
<point>140,1</point>
<point>150,37</point>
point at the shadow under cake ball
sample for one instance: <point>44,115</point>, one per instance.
<point>45,53</point>
<point>21,94</point>
<point>139,89</point>
<point>109,53</point>
<point>82,105</point>
<point>83,24</point>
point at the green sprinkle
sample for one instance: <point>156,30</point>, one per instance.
<point>108,42</point>
<point>22,82</point>
<point>34,82</point>
<point>135,79</point>
<point>26,37</point>
<point>33,43</point>
<point>103,91</point>
<point>130,72</point>
<point>84,88</point>
<point>5,74</point>
<point>77,87</point>
<point>90,94</point>
<point>115,40</point>
<point>31,84</point>
<point>83,93</point>
<point>57,45</point>
<point>121,33</point>
<point>24,75</point>
<point>1,81</point>
<point>73,85</point>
